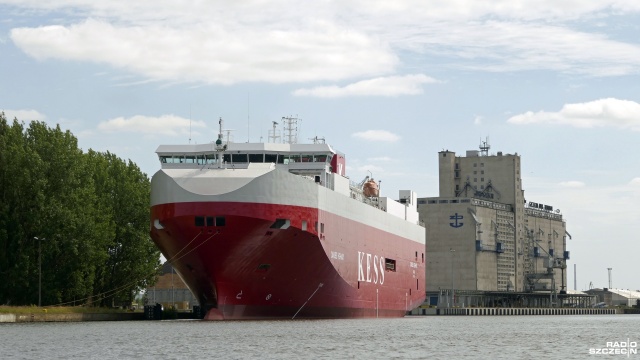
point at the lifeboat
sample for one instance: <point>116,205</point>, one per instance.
<point>370,188</point>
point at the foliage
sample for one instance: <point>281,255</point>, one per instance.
<point>89,211</point>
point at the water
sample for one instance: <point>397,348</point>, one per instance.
<point>435,337</point>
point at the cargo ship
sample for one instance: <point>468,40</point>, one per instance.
<point>276,230</point>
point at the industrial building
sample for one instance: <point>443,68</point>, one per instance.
<point>484,235</point>
<point>170,291</point>
<point>616,297</point>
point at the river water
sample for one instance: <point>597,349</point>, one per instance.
<point>419,337</point>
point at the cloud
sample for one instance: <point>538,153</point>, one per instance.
<point>213,53</point>
<point>572,184</point>
<point>24,115</point>
<point>477,120</point>
<point>382,86</point>
<point>610,112</point>
<point>163,125</point>
<point>377,135</point>
<point>281,42</point>
<point>635,182</point>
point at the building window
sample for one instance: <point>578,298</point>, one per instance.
<point>482,164</point>
<point>482,172</point>
<point>481,179</point>
<point>475,165</point>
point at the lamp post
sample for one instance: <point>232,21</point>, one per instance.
<point>452,294</point>
<point>39,269</point>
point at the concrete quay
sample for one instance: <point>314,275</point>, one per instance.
<point>526,311</point>
<point>45,317</point>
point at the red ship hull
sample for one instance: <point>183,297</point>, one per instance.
<point>246,264</point>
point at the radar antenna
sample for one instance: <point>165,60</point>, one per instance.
<point>274,134</point>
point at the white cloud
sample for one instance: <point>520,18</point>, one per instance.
<point>622,114</point>
<point>382,86</point>
<point>635,182</point>
<point>212,53</point>
<point>163,125</point>
<point>572,184</point>
<point>281,42</point>
<point>25,115</point>
<point>377,135</point>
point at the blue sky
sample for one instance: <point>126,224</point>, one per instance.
<point>387,83</point>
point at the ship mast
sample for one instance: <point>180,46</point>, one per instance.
<point>291,129</point>
<point>273,134</point>
<point>220,147</point>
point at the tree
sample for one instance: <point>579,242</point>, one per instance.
<point>91,208</point>
<point>133,259</point>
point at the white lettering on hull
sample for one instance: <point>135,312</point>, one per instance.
<point>377,262</point>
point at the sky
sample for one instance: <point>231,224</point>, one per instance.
<point>387,83</point>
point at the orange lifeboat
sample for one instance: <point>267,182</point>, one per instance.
<point>370,188</point>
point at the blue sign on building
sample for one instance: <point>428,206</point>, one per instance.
<point>456,218</point>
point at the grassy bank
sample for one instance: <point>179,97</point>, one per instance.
<point>58,310</point>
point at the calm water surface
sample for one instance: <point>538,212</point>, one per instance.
<point>489,337</point>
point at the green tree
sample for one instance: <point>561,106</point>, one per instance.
<point>91,208</point>
<point>133,259</point>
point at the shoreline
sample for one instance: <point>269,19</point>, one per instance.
<point>69,317</point>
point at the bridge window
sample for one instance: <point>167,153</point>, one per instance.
<point>320,158</point>
<point>271,158</point>
<point>291,159</point>
<point>190,159</point>
<point>239,158</point>
<point>306,158</point>
<point>226,158</point>
<point>256,158</point>
<point>199,221</point>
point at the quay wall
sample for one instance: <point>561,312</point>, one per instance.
<point>44,317</point>
<point>526,311</point>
